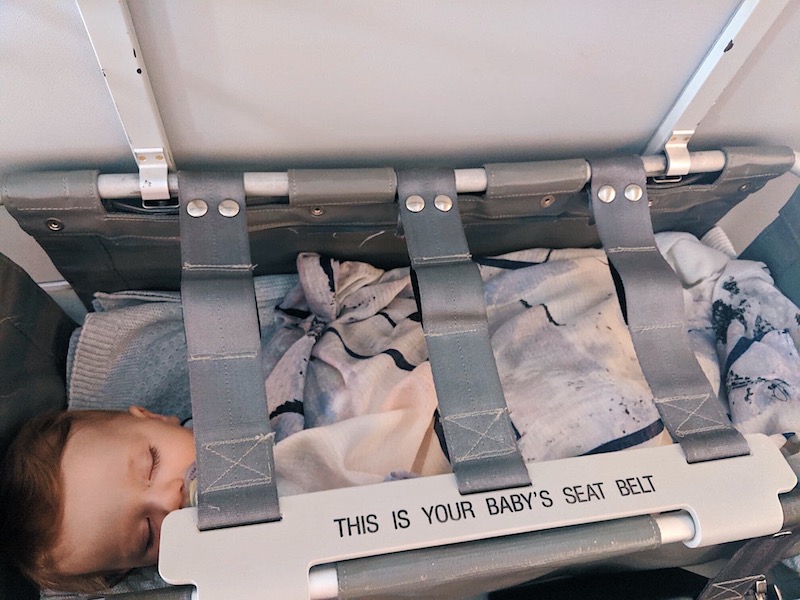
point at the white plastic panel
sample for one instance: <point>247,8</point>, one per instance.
<point>302,83</point>
<point>762,104</point>
<point>363,83</point>
<point>280,84</point>
<point>728,499</point>
<point>55,111</point>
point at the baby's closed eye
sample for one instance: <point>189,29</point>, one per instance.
<point>154,462</point>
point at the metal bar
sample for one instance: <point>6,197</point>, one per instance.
<point>734,45</point>
<point>468,181</point>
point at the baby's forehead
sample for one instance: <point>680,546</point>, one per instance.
<point>106,426</point>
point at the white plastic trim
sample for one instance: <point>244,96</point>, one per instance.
<point>323,583</point>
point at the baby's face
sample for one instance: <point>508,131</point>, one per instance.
<point>121,477</point>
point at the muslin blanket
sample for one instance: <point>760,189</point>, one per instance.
<point>346,362</point>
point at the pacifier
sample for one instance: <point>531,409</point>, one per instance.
<point>190,483</point>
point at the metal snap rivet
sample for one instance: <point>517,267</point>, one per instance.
<point>547,201</point>
<point>415,203</point>
<point>54,224</point>
<point>317,211</point>
<point>229,208</point>
<point>443,202</point>
<point>606,194</point>
<point>744,187</point>
<point>634,192</point>
<point>197,208</point>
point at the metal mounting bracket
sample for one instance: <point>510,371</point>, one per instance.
<point>153,173</point>
<point>116,46</point>
<point>678,160</point>
<point>744,31</point>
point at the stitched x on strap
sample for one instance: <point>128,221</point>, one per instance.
<point>751,563</point>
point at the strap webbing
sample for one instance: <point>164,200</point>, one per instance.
<point>478,431</point>
<point>751,564</point>
<point>654,299</point>
<point>234,444</point>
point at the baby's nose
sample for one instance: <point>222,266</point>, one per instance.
<point>169,496</point>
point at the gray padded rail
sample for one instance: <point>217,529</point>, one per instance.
<point>465,569</point>
<point>311,187</point>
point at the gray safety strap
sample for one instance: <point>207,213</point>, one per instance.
<point>478,431</point>
<point>234,444</point>
<point>748,568</point>
<point>654,298</point>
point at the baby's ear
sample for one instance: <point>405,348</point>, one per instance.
<point>140,412</point>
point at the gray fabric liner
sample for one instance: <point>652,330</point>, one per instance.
<point>477,428</point>
<point>779,247</point>
<point>234,444</point>
<point>170,593</point>
<point>654,297</point>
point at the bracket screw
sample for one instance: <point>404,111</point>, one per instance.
<point>443,202</point>
<point>197,208</point>
<point>54,224</point>
<point>606,194</point>
<point>634,192</point>
<point>415,203</point>
<point>229,208</point>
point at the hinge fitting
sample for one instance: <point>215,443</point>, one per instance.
<point>678,160</point>
<point>153,173</point>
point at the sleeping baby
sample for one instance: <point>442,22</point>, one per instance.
<point>84,492</point>
<point>351,396</point>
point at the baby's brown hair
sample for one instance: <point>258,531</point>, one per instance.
<point>31,500</point>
